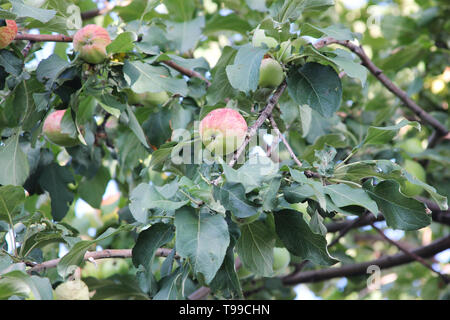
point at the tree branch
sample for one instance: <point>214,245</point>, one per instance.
<point>411,254</point>
<point>286,143</point>
<point>187,72</point>
<point>360,269</point>
<point>109,253</point>
<point>64,38</point>
<point>402,95</point>
<point>265,114</point>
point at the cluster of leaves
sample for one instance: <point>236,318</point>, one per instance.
<point>254,207</point>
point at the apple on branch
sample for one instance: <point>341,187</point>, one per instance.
<point>147,98</point>
<point>72,290</point>
<point>223,131</point>
<point>8,31</point>
<point>271,73</point>
<point>53,132</point>
<point>91,42</point>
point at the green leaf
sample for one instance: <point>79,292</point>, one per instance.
<point>382,135</point>
<point>255,248</point>
<point>92,190</point>
<point>344,195</point>
<point>258,5</point>
<point>299,239</point>
<point>231,22</point>
<point>145,197</point>
<point>386,170</point>
<point>149,241</point>
<point>21,284</point>
<point>226,280</point>
<point>123,43</point>
<point>338,32</point>
<point>10,198</point>
<point>136,127</point>
<point>146,78</point>
<point>24,11</point>
<point>244,73</point>
<point>293,9</point>
<point>316,85</point>
<point>54,179</point>
<point>76,255</point>
<point>400,212</point>
<point>345,60</point>
<point>232,197</point>
<point>203,239</point>
<point>50,69</point>
<point>14,167</point>
<point>185,35</point>
<point>169,287</point>
<point>12,64</point>
<point>221,88</point>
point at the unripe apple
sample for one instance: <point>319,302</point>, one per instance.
<point>415,169</point>
<point>259,37</point>
<point>271,74</point>
<point>147,98</point>
<point>72,290</point>
<point>7,33</point>
<point>91,42</point>
<point>412,145</point>
<point>52,130</point>
<point>223,131</point>
<point>281,259</point>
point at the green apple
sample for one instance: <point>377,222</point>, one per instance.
<point>271,73</point>
<point>147,98</point>
<point>281,259</point>
<point>259,37</point>
<point>411,145</point>
<point>415,169</point>
<point>223,131</point>
<point>53,132</point>
<point>72,290</point>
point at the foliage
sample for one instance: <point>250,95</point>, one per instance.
<point>346,129</point>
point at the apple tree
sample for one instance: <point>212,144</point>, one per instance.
<point>224,149</point>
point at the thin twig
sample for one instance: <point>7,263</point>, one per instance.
<point>283,138</point>
<point>411,254</point>
<point>26,50</point>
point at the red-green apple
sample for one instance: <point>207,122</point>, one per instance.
<point>223,131</point>
<point>271,74</point>
<point>7,33</point>
<point>91,42</point>
<point>415,169</point>
<point>53,132</point>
